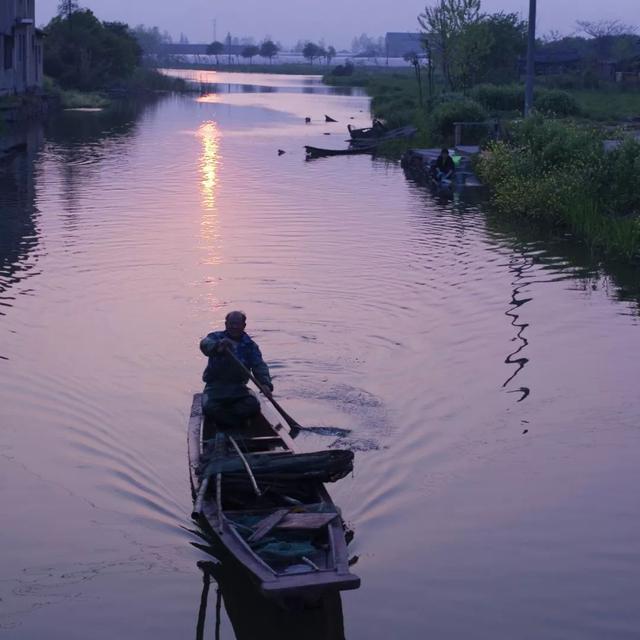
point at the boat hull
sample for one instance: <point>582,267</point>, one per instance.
<point>228,514</point>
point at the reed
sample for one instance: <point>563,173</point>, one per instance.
<point>561,173</point>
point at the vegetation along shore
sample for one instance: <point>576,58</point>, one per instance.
<point>574,164</point>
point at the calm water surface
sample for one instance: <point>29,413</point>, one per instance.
<point>435,332</point>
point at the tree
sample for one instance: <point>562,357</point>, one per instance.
<point>311,51</point>
<point>367,46</point>
<point>470,53</point>
<point>413,59</point>
<point>67,7</point>
<point>506,41</point>
<point>250,51</point>
<point>330,54</point>
<point>610,37</point>
<point>605,28</point>
<point>268,49</point>
<point>446,21</point>
<point>150,38</point>
<point>84,53</point>
<point>228,41</point>
<point>215,49</point>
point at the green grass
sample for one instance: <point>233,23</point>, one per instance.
<point>559,173</point>
<point>146,79</point>
<point>608,104</point>
<point>81,100</point>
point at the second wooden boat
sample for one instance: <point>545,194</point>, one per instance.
<point>318,152</point>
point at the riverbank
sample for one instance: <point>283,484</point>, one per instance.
<point>17,111</point>
<point>565,175</point>
<point>575,166</point>
<point>144,81</point>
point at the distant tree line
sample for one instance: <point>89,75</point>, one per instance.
<point>467,46</point>
<point>593,41</point>
<point>268,49</point>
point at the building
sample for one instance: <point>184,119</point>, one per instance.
<point>401,44</point>
<point>20,47</point>
<point>555,63</point>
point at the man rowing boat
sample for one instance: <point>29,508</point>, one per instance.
<point>226,398</point>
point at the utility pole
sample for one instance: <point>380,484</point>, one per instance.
<point>531,63</point>
<point>215,38</point>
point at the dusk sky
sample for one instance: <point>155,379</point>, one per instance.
<point>334,20</point>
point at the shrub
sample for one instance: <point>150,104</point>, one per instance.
<point>499,98</point>
<point>620,178</point>
<point>342,70</point>
<point>445,114</point>
<point>560,172</point>
<point>556,102</point>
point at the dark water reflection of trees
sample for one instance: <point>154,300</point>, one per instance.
<point>80,143</point>
<point>539,245</point>
<point>18,216</point>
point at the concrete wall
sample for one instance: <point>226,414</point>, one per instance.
<point>20,47</point>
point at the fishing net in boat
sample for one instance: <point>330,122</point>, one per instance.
<point>322,466</point>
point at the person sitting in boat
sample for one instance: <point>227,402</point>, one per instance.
<point>226,398</point>
<point>443,168</point>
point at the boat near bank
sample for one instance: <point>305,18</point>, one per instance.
<point>378,135</point>
<point>417,164</point>
<point>267,507</point>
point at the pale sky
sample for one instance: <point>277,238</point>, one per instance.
<point>337,21</point>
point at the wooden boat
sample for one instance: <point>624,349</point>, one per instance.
<point>267,505</point>
<point>383,135</point>
<point>318,152</point>
<point>375,131</point>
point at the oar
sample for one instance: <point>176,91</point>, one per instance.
<point>295,426</point>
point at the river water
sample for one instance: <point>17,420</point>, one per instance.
<point>489,374</point>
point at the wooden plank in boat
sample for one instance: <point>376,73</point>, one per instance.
<point>265,525</point>
<point>306,520</point>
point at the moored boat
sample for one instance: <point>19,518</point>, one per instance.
<point>318,152</point>
<point>379,134</point>
<point>376,130</point>
<point>267,505</point>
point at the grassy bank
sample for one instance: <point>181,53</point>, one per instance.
<point>143,81</point>
<point>560,173</point>
<point>554,168</point>
<point>608,105</point>
<point>395,97</point>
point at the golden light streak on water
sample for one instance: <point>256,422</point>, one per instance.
<point>209,166</point>
<point>210,137</point>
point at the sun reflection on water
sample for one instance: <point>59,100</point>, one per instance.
<point>209,165</point>
<point>209,160</point>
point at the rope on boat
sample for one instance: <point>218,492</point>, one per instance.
<point>246,466</point>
